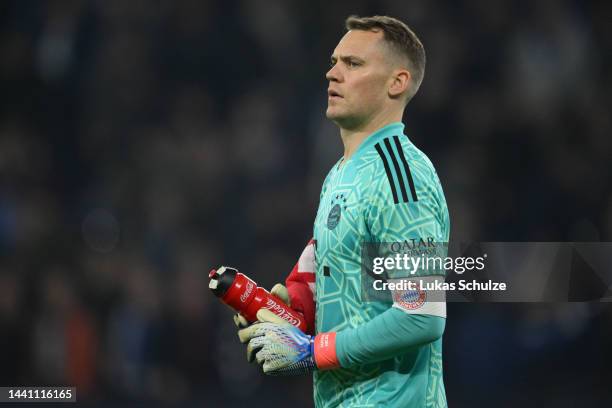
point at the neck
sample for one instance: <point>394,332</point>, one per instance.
<point>353,137</point>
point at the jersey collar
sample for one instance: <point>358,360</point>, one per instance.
<point>392,129</point>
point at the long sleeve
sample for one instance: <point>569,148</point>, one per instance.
<point>385,336</point>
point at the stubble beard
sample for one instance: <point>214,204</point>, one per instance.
<point>337,114</point>
<point>344,121</point>
<point>337,117</point>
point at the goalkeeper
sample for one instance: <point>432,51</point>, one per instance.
<point>383,190</point>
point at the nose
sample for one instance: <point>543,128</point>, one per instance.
<point>333,75</point>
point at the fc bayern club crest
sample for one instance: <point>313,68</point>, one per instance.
<point>411,299</point>
<point>333,218</point>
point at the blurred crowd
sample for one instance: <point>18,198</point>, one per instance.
<point>144,142</point>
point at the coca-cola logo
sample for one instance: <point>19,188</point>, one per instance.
<point>282,312</point>
<point>247,292</point>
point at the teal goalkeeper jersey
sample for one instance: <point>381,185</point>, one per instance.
<point>388,191</point>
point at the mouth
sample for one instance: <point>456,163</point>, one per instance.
<point>333,94</point>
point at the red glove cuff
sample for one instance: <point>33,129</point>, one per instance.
<point>325,351</point>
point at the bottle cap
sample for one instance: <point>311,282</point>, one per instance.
<point>221,279</point>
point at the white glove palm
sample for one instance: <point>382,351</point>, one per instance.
<point>281,349</point>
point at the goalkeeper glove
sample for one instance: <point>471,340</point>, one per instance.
<point>281,349</point>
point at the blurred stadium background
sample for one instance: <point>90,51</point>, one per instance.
<point>144,142</point>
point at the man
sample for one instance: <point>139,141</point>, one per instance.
<point>383,190</point>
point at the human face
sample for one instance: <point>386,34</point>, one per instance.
<point>358,79</point>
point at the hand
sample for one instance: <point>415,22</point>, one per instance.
<point>278,290</point>
<point>279,347</point>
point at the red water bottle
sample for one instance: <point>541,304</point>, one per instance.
<point>243,295</point>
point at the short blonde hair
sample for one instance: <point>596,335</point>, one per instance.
<point>401,39</point>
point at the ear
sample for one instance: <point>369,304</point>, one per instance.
<point>400,83</point>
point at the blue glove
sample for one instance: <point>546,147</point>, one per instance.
<point>279,347</point>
